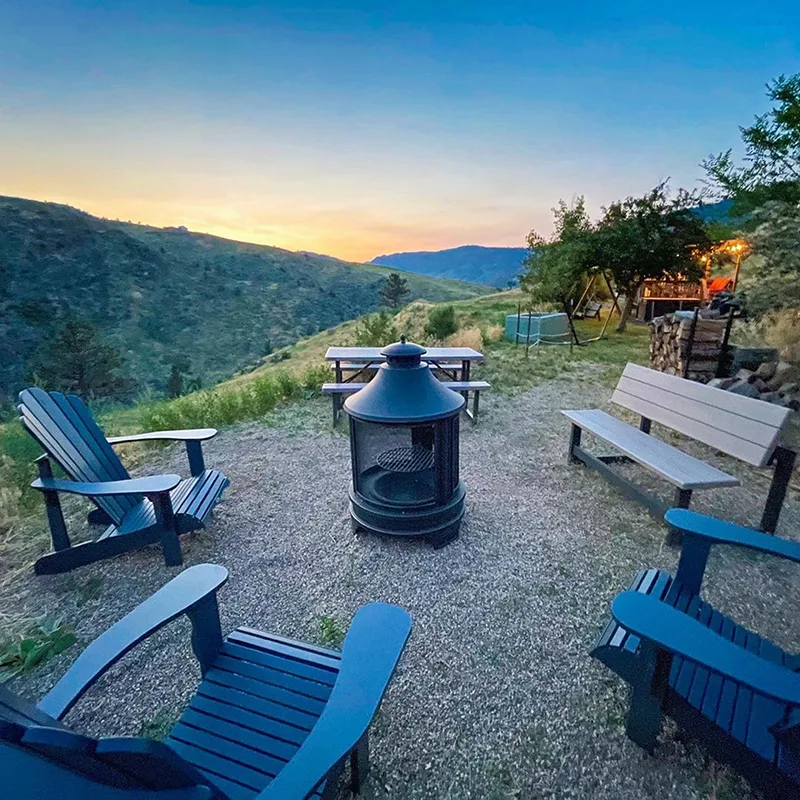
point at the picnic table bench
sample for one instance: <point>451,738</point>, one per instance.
<point>742,427</point>
<point>452,363</point>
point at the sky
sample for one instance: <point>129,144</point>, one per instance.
<point>361,128</point>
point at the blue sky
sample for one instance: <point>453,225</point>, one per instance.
<point>366,128</point>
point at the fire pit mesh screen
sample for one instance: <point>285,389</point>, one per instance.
<point>406,459</point>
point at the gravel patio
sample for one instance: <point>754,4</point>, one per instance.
<point>496,696</point>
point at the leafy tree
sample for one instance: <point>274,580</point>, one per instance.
<point>375,330</point>
<point>395,290</point>
<point>441,322</point>
<point>76,360</point>
<point>771,169</point>
<point>653,236</point>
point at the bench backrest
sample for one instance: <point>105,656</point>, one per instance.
<point>742,427</point>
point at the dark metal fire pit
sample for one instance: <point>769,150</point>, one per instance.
<point>404,450</point>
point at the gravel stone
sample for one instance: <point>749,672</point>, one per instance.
<point>496,696</point>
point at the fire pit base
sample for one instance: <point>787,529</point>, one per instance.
<point>439,525</point>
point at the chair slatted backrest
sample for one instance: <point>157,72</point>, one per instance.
<point>125,763</point>
<point>66,430</point>
<point>742,427</point>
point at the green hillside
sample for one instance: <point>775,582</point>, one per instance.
<point>156,294</point>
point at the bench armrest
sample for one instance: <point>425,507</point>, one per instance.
<point>184,594</point>
<point>157,484</point>
<point>371,650</point>
<point>660,624</point>
<point>193,435</point>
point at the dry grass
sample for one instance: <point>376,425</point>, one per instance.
<point>778,329</point>
<point>469,337</point>
<point>493,333</point>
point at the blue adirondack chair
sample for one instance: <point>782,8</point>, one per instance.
<point>137,511</point>
<point>272,718</point>
<point>736,692</point>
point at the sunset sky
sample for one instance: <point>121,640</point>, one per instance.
<point>360,128</point>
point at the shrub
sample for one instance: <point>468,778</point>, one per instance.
<point>441,323</point>
<point>375,330</point>
<point>778,329</point>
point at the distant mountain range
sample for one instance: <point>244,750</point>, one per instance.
<point>498,266</point>
<point>494,266</point>
<point>161,294</point>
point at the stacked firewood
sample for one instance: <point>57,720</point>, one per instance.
<point>670,349</point>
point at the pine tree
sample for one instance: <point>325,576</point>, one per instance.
<point>395,290</point>
<point>175,382</point>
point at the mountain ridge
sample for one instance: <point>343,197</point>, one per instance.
<point>158,295</point>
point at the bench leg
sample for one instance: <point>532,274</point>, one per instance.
<point>683,497</point>
<point>335,410</point>
<point>359,764</point>
<point>475,406</point>
<point>784,464</point>
<point>574,441</point>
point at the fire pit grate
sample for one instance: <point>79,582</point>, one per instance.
<point>406,459</point>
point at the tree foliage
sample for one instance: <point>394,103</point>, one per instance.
<point>76,360</point>
<point>771,168</point>
<point>395,290</point>
<point>441,323</point>
<point>375,330</point>
<point>653,236</point>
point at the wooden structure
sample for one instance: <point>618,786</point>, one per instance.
<point>662,296</point>
<point>746,429</point>
<point>726,686</point>
<point>137,511</point>
<point>272,719</point>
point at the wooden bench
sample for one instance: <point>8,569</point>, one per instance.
<point>338,390</point>
<point>733,690</point>
<point>742,427</point>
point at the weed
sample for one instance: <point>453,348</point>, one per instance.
<point>160,726</point>
<point>91,590</point>
<point>331,632</point>
<point>21,654</point>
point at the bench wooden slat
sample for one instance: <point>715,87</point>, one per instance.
<point>743,427</point>
<point>675,466</point>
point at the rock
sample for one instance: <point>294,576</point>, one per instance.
<point>722,383</point>
<point>760,385</point>
<point>788,388</point>
<point>767,370</point>
<point>770,397</point>
<point>784,372</point>
<point>745,388</point>
<point>745,375</point>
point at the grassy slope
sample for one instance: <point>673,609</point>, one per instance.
<point>160,293</point>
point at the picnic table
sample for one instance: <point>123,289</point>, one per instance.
<point>359,359</point>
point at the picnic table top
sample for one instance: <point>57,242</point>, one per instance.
<point>374,354</point>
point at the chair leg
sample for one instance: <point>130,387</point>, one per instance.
<point>359,764</point>
<point>169,533</point>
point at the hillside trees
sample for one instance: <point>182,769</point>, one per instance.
<point>771,168</point>
<point>395,290</point>
<point>76,360</point>
<point>768,183</point>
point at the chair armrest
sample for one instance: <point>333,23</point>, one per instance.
<point>193,435</point>
<point>177,597</point>
<point>156,484</point>
<point>371,650</point>
<point>717,531</point>
<point>676,632</point>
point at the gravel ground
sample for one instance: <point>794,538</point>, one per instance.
<point>496,696</point>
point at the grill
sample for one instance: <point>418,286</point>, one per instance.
<point>406,459</point>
